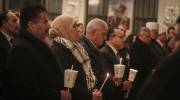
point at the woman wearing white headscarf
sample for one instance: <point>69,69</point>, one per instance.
<point>69,52</point>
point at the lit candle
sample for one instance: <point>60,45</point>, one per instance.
<point>107,75</point>
<point>120,60</point>
<point>72,67</point>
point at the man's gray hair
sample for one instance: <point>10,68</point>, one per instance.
<point>96,24</point>
<point>144,30</point>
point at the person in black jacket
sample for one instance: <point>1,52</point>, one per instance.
<point>8,26</point>
<point>141,60</point>
<point>157,51</point>
<point>95,36</point>
<point>32,70</point>
<point>163,84</point>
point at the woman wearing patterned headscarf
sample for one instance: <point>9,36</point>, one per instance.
<point>69,52</point>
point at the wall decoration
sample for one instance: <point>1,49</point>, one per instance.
<point>73,8</point>
<point>122,10</point>
<point>171,13</point>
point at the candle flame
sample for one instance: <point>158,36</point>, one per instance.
<point>107,74</point>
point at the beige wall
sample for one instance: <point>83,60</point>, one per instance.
<point>161,11</point>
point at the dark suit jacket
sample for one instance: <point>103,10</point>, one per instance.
<point>98,62</point>
<point>163,84</point>
<point>100,68</point>
<point>33,73</point>
<point>110,57</point>
<point>113,92</point>
<point>4,47</point>
<point>66,59</point>
<point>142,60</point>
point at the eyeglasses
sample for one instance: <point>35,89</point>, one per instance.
<point>75,25</point>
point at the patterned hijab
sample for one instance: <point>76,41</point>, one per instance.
<point>62,26</point>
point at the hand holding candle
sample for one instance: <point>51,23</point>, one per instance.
<point>132,75</point>
<point>96,95</point>
<point>107,75</point>
<point>70,77</point>
<point>119,70</point>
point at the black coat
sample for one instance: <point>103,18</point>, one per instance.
<point>142,60</point>
<point>157,51</point>
<point>33,73</point>
<point>66,59</point>
<point>164,83</point>
<point>4,47</point>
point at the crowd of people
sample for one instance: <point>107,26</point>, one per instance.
<point>34,54</point>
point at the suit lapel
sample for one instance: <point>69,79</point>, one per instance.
<point>111,52</point>
<point>4,43</point>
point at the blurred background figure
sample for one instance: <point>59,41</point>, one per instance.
<point>8,27</point>
<point>163,84</point>
<point>156,49</point>
<point>162,40</point>
<point>170,33</point>
<point>170,36</point>
<point>130,40</point>
<point>142,60</point>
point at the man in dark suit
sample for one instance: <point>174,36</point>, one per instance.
<point>163,84</point>
<point>32,70</point>
<point>8,26</point>
<point>110,49</point>
<point>110,53</point>
<point>95,36</point>
<point>141,59</point>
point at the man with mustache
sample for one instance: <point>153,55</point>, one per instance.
<point>33,73</point>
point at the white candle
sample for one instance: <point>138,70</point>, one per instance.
<point>132,75</point>
<point>72,67</point>
<point>107,75</point>
<point>120,61</point>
